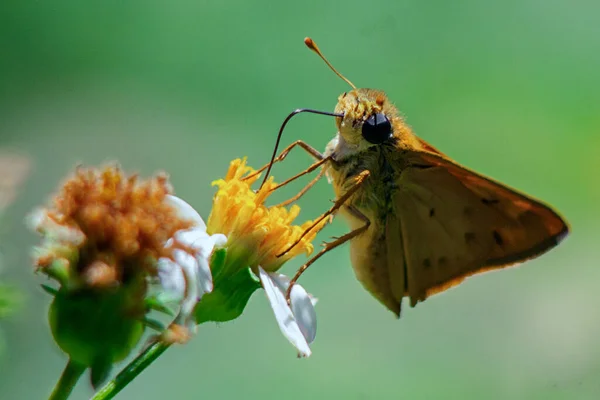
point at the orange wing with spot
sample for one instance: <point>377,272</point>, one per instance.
<point>455,223</point>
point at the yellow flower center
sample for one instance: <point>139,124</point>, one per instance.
<point>256,234</point>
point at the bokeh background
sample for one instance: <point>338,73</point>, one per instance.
<point>511,89</point>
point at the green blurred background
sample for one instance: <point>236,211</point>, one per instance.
<point>511,89</point>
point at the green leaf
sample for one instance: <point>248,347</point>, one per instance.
<point>217,262</point>
<point>49,289</point>
<point>158,304</point>
<point>230,294</point>
<point>154,324</point>
<point>100,372</point>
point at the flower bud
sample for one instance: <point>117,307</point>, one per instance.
<point>95,327</point>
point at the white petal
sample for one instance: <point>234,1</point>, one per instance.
<point>194,237</point>
<point>188,277</point>
<point>193,292</point>
<point>204,276</point>
<point>304,311</point>
<point>219,240</point>
<point>302,305</point>
<point>283,314</point>
<point>186,270</point>
<point>201,241</point>
<point>185,210</point>
<point>171,278</point>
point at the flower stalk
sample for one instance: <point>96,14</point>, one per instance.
<point>67,380</point>
<point>131,371</point>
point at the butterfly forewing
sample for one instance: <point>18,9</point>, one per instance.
<point>542,227</point>
<point>455,223</point>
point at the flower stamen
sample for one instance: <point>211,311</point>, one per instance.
<point>256,232</point>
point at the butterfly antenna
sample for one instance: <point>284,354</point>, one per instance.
<point>313,46</point>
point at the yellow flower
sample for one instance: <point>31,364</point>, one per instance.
<point>256,233</point>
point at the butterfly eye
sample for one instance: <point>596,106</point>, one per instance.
<point>377,129</point>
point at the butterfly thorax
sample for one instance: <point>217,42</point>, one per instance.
<point>376,192</point>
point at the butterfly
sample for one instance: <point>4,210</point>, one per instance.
<point>420,222</point>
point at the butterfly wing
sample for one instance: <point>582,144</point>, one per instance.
<point>455,223</point>
<point>428,148</point>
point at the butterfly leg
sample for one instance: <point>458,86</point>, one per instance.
<point>303,145</point>
<point>360,178</point>
<point>306,171</point>
<point>330,246</point>
<point>304,189</point>
<point>311,151</point>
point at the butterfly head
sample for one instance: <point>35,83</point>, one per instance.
<point>369,117</point>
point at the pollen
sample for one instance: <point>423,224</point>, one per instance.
<point>255,231</point>
<point>111,228</point>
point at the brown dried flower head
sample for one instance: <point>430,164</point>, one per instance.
<point>104,228</point>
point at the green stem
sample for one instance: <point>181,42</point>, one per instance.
<point>132,370</point>
<point>67,381</point>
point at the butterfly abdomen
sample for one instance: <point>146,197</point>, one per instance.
<point>372,261</point>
